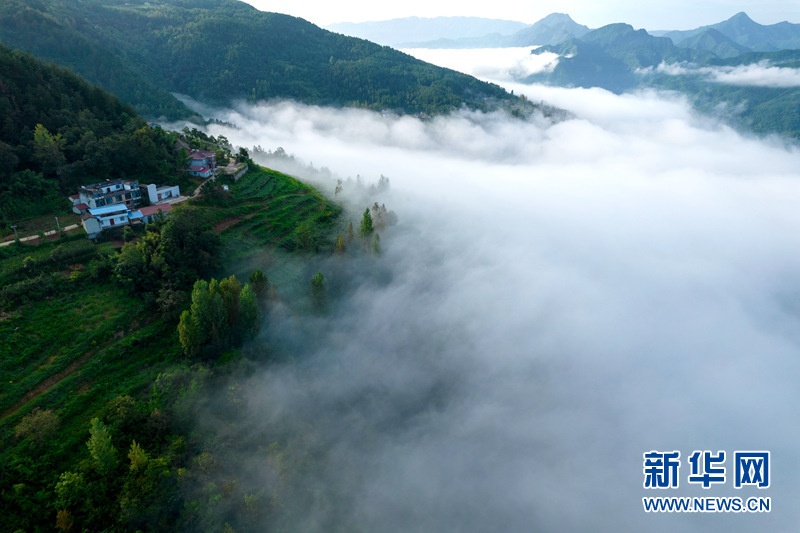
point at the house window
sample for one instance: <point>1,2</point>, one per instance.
<point>128,196</point>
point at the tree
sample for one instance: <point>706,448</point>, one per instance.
<point>188,334</point>
<point>377,216</point>
<point>259,283</point>
<point>304,235</point>
<point>366,224</point>
<point>37,425</point>
<point>218,316</point>
<point>230,289</point>
<point>319,294</point>
<point>102,450</point>
<point>219,319</point>
<point>248,311</point>
<point>350,235</point>
<point>138,457</point>
<point>338,188</point>
<point>376,244</point>
<point>340,247</point>
<point>48,150</point>
<point>71,490</point>
<point>201,311</point>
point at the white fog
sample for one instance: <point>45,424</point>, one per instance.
<point>563,298</point>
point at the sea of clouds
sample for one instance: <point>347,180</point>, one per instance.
<point>560,299</point>
<point>760,74</point>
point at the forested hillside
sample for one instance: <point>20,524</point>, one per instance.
<point>218,50</point>
<point>59,132</point>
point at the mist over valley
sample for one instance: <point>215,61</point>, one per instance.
<point>557,299</point>
<point>268,277</point>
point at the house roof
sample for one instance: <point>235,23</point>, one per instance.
<point>81,207</point>
<point>201,154</point>
<point>108,209</point>
<point>74,196</point>
<point>153,209</point>
<point>150,210</point>
<point>109,183</point>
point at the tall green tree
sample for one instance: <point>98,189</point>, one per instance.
<point>376,244</point>
<point>102,450</point>
<point>248,312</point>
<point>188,334</point>
<point>366,224</point>
<point>259,283</point>
<point>319,293</point>
<point>340,247</point>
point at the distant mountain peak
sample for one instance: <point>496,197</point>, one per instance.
<point>741,16</point>
<point>555,18</point>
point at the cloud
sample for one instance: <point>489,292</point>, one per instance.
<point>556,300</point>
<point>753,75</point>
<point>496,64</point>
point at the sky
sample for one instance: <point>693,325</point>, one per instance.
<point>556,300</point>
<point>674,15</point>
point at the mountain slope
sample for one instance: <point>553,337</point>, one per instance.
<point>553,29</point>
<point>713,41</point>
<point>219,50</point>
<point>607,57</point>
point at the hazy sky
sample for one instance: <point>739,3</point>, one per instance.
<point>678,15</point>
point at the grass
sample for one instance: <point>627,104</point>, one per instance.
<point>71,341</point>
<point>36,225</point>
<point>264,210</point>
<point>71,351</point>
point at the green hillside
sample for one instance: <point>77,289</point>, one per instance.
<point>219,50</point>
<point>59,132</point>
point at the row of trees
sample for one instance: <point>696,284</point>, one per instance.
<point>378,218</point>
<point>223,314</point>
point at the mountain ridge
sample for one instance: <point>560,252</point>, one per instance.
<point>397,33</point>
<point>552,29</point>
<point>744,31</point>
<point>219,50</point>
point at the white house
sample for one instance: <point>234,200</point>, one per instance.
<point>111,215</point>
<point>116,203</point>
<point>159,194</point>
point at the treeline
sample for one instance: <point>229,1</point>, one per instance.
<point>58,132</point>
<point>216,50</point>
